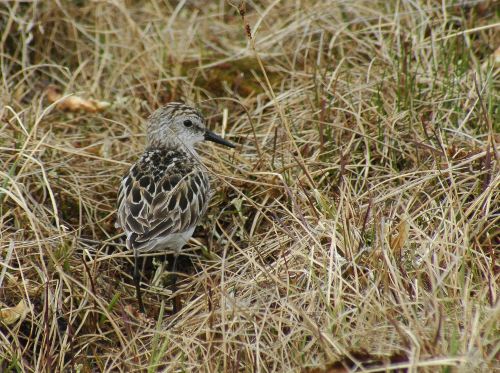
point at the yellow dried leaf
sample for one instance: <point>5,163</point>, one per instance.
<point>100,105</point>
<point>74,103</point>
<point>10,315</point>
<point>32,288</point>
<point>399,240</point>
<point>52,94</point>
<point>496,56</point>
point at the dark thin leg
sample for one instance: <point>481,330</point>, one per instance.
<point>175,301</point>
<point>137,282</point>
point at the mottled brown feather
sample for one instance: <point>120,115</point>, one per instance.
<point>165,192</point>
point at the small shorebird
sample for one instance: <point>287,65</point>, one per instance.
<point>166,192</point>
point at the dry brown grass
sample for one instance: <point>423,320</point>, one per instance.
<point>356,227</point>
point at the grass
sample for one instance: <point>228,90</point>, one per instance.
<point>356,227</point>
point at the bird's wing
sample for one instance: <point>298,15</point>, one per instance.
<point>152,208</point>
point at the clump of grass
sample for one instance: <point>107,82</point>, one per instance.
<point>356,227</point>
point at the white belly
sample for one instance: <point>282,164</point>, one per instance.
<point>175,242</point>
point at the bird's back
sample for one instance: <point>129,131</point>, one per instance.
<point>162,198</point>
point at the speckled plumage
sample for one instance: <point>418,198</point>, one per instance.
<point>165,193</point>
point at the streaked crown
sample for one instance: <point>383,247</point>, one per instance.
<point>176,123</point>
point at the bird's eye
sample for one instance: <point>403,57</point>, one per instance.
<point>188,123</point>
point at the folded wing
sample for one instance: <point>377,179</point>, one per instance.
<point>150,209</point>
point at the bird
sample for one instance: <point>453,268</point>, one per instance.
<point>165,194</point>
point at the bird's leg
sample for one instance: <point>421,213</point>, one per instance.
<point>175,301</point>
<point>137,282</point>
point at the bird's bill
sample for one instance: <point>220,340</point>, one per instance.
<point>210,136</point>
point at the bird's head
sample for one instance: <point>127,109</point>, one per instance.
<point>178,123</point>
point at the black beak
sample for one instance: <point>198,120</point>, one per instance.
<point>210,136</point>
